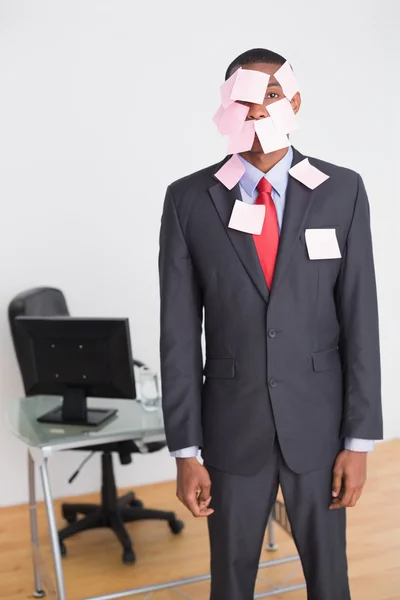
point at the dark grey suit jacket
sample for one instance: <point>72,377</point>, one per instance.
<point>300,361</point>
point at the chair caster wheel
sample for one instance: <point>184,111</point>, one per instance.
<point>136,503</point>
<point>39,594</point>
<point>176,526</point>
<point>63,548</point>
<point>128,557</point>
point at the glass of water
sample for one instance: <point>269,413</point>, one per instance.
<point>149,393</point>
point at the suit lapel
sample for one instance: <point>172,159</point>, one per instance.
<point>299,199</point>
<point>243,243</point>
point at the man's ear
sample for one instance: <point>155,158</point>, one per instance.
<point>296,102</point>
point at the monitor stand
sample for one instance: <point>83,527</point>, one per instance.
<point>74,411</point>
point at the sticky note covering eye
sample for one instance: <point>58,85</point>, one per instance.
<point>231,172</point>
<point>286,78</point>
<point>308,174</point>
<point>250,86</point>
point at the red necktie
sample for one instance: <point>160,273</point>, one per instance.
<point>268,240</point>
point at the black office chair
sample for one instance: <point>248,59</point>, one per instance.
<point>113,512</point>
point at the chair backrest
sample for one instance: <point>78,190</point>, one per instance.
<point>38,302</point>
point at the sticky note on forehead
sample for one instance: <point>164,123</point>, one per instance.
<point>244,85</point>
<point>287,80</point>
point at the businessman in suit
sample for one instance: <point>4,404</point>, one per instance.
<point>290,391</point>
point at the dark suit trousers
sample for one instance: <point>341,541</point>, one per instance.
<point>237,528</point>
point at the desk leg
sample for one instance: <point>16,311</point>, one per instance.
<point>55,544</point>
<point>39,592</point>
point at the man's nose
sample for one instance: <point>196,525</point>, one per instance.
<point>257,111</point>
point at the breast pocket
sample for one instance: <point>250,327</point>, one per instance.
<point>322,243</point>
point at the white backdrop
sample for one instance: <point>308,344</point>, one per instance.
<point>103,103</point>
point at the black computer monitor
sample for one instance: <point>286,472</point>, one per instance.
<point>76,358</point>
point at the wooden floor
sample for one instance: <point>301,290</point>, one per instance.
<point>94,566</point>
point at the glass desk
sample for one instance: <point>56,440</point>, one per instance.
<point>130,422</point>
<point>43,439</point>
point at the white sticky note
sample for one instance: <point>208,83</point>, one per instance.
<point>218,115</point>
<point>287,80</point>
<point>322,244</point>
<point>243,140</point>
<point>250,86</point>
<point>270,137</point>
<point>308,174</point>
<point>282,114</point>
<point>247,217</point>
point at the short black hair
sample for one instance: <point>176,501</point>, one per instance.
<point>253,56</point>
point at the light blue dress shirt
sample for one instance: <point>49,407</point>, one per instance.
<point>278,177</point>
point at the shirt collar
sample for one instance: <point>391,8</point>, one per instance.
<point>278,176</point>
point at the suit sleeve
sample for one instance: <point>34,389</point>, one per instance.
<point>180,337</point>
<point>359,331</point>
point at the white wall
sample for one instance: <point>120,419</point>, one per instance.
<point>103,103</point>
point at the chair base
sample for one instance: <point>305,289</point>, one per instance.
<point>113,513</point>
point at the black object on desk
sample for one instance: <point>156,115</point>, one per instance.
<point>76,358</point>
<point>113,512</point>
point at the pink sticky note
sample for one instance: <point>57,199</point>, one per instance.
<point>226,90</point>
<point>243,140</point>
<point>218,115</point>
<point>281,112</point>
<point>270,137</point>
<point>231,172</point>
<point>250,86</point>
<point>232,119</point>
<point>286,78</point>
<point>307,174</point>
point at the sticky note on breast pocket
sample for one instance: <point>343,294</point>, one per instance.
<point>322,244</point>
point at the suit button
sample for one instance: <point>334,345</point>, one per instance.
<point>272,383</point>
<point>271,333</point>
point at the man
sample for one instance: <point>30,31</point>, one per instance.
<point>291,395</point>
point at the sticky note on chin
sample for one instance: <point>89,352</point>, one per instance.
<point>322,244</point>
<point>247,217</point>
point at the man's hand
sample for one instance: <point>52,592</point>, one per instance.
<point>349,476</point>
<point>193,486</point>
